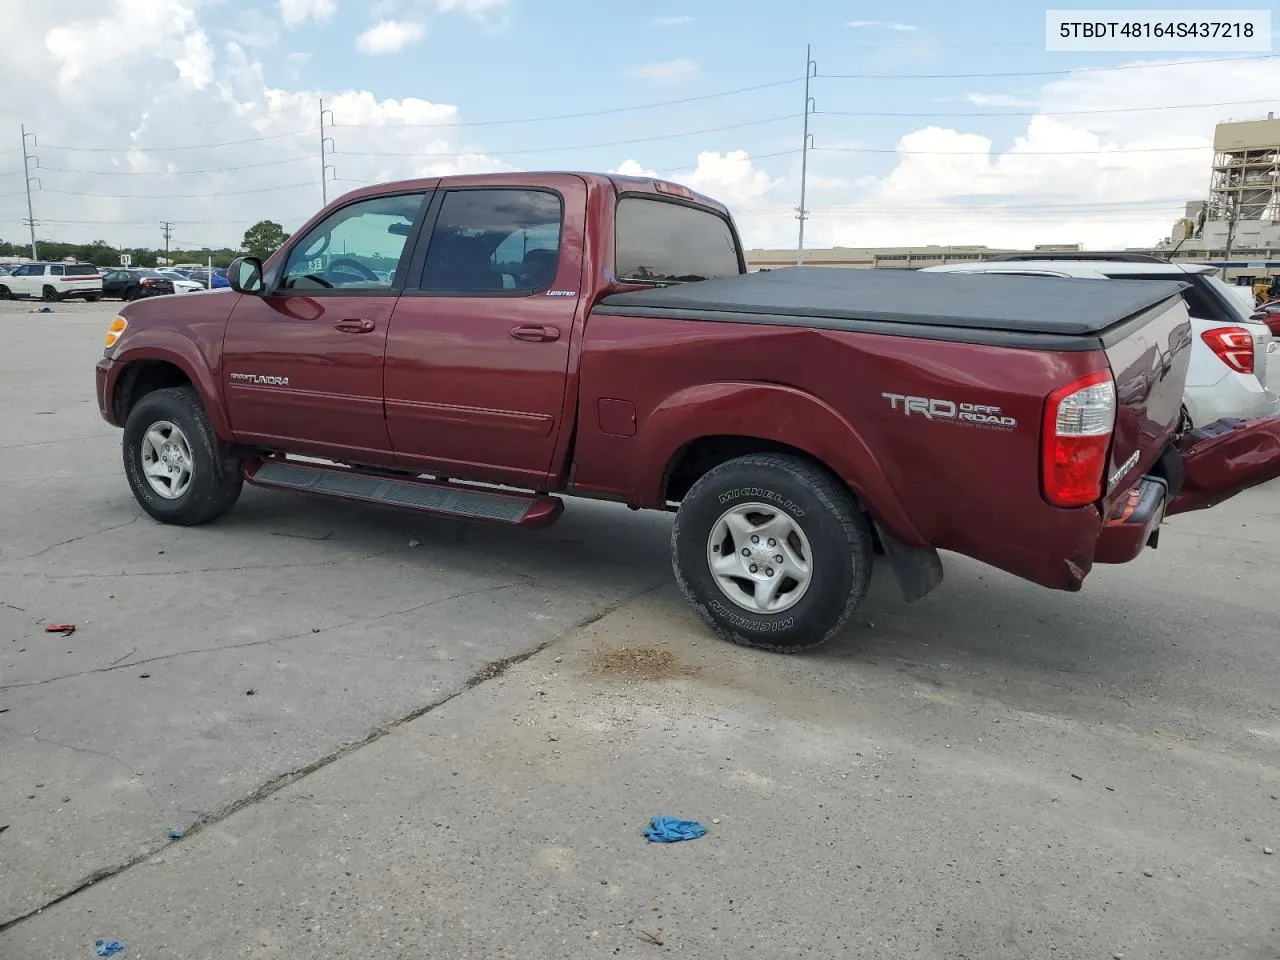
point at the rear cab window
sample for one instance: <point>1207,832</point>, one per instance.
<point>662,241</point>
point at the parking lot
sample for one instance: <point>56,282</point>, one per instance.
<point>391,736</point>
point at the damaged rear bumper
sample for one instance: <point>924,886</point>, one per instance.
<point>1226,458</point>
<point>1134,522</point>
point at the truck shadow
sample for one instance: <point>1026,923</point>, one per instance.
<point>1133,634</point>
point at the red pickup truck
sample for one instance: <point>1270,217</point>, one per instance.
<point>476,346</point>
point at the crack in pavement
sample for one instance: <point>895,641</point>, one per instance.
<point>45,443</point>
<point>83,536</point>
<point>250,567</point>
<point>311,631</point>
<point>490,671</point>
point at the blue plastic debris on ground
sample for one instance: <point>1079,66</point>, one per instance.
<point>108,948</point>
<point>176,833</point>
<point>673,829</point>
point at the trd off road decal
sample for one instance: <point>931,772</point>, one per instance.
<point>948,411</point>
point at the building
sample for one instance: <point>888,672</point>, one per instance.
<point>1236,228</point>
<point>910,258</point>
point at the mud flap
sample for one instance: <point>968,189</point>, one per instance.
<point>917,569</point>
<point>1223,459</point>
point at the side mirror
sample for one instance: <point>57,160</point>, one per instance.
<point>245,275</point>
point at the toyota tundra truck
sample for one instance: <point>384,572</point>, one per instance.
<point>480,347</point>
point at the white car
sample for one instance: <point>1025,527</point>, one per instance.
<point>53,281</point>
<point>1234,358</point>
<point>181,282</point>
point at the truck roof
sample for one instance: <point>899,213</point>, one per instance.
<point>536,178</point>
<point>993,301</point>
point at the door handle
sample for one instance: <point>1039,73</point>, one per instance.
<point>536,333</point>
<point>351,325</point>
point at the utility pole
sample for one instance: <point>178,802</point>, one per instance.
<point>810,71</point>
<point>325,166</point>
<point>167,227</point>
<point>27,160</point>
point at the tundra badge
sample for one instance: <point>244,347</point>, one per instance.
<point>257,378</point>
<point>972,414</point>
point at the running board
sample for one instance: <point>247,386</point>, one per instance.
<point>424,496</point>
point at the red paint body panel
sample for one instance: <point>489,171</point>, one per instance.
<point>926,482</point>
<point>465,397</point>
<point>186,332</point>
<point>332,403</point>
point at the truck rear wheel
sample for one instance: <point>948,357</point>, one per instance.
<point>179,471</point>
<point>772,552</point>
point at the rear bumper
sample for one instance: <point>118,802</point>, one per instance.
<point>1134,523</point>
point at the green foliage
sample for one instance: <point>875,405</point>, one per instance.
<point>102,254</point>
<point>264,238</point>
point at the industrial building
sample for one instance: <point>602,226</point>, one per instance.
<point>1237,227</point>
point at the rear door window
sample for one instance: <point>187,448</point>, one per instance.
<point>494,242</point>
<point>664,242</point>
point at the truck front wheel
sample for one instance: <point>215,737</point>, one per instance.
<point>179,471</point>
<point>772,552</point>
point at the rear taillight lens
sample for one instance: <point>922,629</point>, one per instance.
<point>1233,345</point>
<point>1078,422</point>
<point>149,281</point>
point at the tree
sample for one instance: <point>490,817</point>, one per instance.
<point>264,238</point>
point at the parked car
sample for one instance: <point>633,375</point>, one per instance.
<point>134,284</point>
<point>1229,374</point>
<point>181,282</point>
<point>202,277</point>
<point>53,281</point>
<point>600,336</point>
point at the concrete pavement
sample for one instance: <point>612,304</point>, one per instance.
<point>990,773</point>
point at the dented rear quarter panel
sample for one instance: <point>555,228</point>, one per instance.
<point>970,488</point>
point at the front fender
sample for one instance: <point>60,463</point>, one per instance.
<point>171,347</point>
<point>768,412</point>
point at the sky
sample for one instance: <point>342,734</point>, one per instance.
<point>951,125</point>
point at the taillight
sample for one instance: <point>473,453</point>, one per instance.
<point>1233,345</point>
<point>149,281</point>
<point>1078,422</point>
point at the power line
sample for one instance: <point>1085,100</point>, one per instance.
<point>1117,151</point>
<point>578,116</point>
<point>138,148</point>
<point>1038,73</point>
<point>177,173</point>
<point>1043,113</point>
<point>579,146</point>
<point>179,196</point>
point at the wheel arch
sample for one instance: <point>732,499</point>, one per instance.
<point>145,369</point>
<point>695,430</point>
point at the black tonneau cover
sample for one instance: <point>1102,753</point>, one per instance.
<point>845,298</point>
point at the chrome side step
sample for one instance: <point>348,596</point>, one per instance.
<point>423,496</point>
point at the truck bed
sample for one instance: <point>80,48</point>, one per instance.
<point>1049,312</point>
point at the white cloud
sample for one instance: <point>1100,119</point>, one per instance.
<point>667,71</point>
<point>295,13</point>
<point>675,21</point>
<point>883,25</point>
<point>998,100</point>
<point>476,8</point>
<point>390,36</point>
<point>126,81</point>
